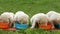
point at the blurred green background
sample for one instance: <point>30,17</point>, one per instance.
<point>30,7</point>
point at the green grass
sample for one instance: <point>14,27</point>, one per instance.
<point>31,31</point>
<point>30,7</point>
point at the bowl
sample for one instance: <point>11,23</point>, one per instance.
<point>48,27</point>
<point>21,26</point>
<point>4,25</point>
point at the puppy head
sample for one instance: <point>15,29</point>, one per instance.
<point>4,19</point>
<point>43,21</point>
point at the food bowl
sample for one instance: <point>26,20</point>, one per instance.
<point>48,27</point>
<point>4,25</point>
<point>21,26</point>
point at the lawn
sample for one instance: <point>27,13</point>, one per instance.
<point>30,7</point>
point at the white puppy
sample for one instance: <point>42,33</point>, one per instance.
<point>7,17</point>
<point>39,18</point>
<point>21,17</point>
<point>54,17</point>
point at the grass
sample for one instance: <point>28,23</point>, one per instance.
<point>30,7</point>
<point>29,31</point>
